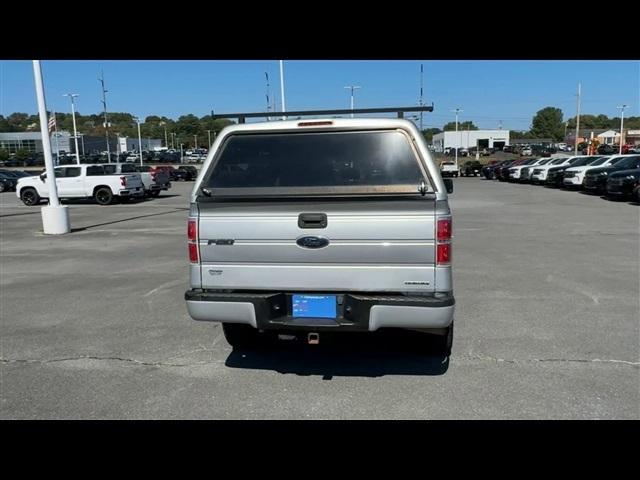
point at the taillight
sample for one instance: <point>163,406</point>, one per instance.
<point>123,181</point>
<point>443,253</point>
<point>444,229</point>
<point>153,176</point>
<point>192,238</point>
<point>443,240</point>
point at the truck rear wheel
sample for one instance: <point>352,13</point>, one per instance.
<point>155,193</point>
<point>29,196</point>
<point>103,196</point>
<point>239,335</point>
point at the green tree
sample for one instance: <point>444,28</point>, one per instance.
<point>4,155</point>
<point>466,125</point>
<point>547,123</point>
<point>22,154</point>
<point>429,133</point>
<point>519,134</point>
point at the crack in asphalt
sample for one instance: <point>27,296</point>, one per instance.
<point>540,360</point>
<point>166,364</point>
<point>91,357</point>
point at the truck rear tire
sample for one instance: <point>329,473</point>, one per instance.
<point>103,196</point>
<point>239,335</point>
<point>155,193</point>
<point>29,196</point>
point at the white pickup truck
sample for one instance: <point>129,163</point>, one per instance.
<point>154,181</point>
<point>81,181</point>
<point>448,168</point>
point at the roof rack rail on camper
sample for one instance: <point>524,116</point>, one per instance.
<point>400,111</point>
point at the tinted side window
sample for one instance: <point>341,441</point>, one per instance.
<point>128,169</point>
<point>73,172</point>
<point>334,159</point>
<point>60,172</point>
<point>95,171</point>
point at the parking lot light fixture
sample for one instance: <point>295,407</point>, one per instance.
<point>621,108</point>
<point>139,140</point>
<point>55,217</point>
<point>72,96</point>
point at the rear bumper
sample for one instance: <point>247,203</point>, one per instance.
<point>355,312</point>
<point>132,192</point>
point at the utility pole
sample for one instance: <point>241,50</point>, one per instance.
<point>72,96</point>
<point>209,134</point>
<point>421,85</point>
<point>352,87</point>
<point>457,111</point>
<point>578,120</point>
<point>106,121</point>
<point>55,217</point>
<point>195,140</point>
<point>621,108</point>
<point>267,95</point>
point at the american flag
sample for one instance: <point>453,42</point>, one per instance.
<point>52,123</point>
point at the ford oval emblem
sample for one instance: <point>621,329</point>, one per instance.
<point>313,242</point>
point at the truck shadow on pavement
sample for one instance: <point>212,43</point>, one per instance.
<point>346,355</point>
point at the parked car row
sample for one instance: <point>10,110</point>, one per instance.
<point>611,175</point>
<point>105,183</point>
<point>9,179</point>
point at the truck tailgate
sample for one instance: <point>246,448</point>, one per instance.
<point>370,246</point>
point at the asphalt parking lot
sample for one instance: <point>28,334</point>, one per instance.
<point>94,324</point>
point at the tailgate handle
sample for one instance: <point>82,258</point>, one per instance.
<point>312,220</point>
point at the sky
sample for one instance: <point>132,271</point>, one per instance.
<point>487,91</point>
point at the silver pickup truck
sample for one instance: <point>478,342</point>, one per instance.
<point>305,227</point>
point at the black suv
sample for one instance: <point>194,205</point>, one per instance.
<point>472,167</point>
<point>596,179</point>
<point>622,183</point>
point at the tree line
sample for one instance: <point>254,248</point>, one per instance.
<point>186,128</point>
<point>548,123</point>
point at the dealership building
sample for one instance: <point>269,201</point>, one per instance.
<point>471,138</point>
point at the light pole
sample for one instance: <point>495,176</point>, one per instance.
<point>55,217</point>
<point>139,140</point>
<point>457,111</point>
<point>166,142</point>
<point>72,96</point>
<point>195,141</point>
<point>621,108</point>
<point>106,121</point>
<point>282,88</point>
<point>181,155</point>
<point>81,135</point>
<point>352,88</point>
<point>173,138</point>
<point>209,134</point>
<point>578,119</point>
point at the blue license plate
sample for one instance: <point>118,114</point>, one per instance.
<point>314,306</point>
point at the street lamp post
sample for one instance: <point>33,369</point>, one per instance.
<point>209,134</point>
<point>166,142</point>
<point>621,108</point>
<point>352,88</point>
<point>72,96</point>
<point>195,141</point>
<point>457,111</point>
<point>139,141</point>
<point>55,217</point>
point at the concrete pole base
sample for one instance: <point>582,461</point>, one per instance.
<point>55,220</point>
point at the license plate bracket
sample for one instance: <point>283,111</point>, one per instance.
<point>314,306</point>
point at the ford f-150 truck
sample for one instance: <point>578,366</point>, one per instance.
<point>81,181</point>
<point>304,227</point>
